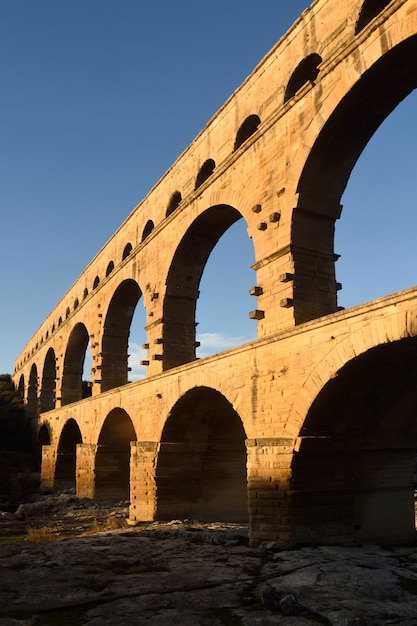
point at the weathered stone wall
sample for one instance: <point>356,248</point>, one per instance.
<point>278,154</point>
<point>271,384</point>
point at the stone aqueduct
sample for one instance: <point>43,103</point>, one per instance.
<point>310,431</point>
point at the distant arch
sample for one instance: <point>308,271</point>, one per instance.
<point>32,397</point>
<point>306,71</point>
<point>44,436</point>
<point>21,386</point>
<point>96,282</point>
<point>47,399</point>
<point>72,390</point>
<point>117,323</point>
<point>65,474</point>
<point>369,10</point>
<point>206,170</point>
<point>248,128</point>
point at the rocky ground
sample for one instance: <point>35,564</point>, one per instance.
<point>72,562</point>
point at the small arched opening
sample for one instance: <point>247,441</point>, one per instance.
<point>109,268</point>
<point>205,172</point>
<point>305,72</point>
<point>112,466</point>
<point>369,10</point>
<point>126,251</point>
<point>173,203</point>
<point>149,226</point>
<point>201,469</point>
<point>246,130</point>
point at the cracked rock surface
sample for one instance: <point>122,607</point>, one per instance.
<point>66,561</point>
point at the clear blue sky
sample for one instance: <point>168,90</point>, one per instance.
<point>99,98</point>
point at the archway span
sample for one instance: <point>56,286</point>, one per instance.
<point>378,213</point>
<point>201,470</point>
<point>116,330</point>
<point>354,467</point>
<point>112,467</point>
<point>65,475</point>
<point>327,170</point>
<point>72,387</point>
<point>47,399</point>
<point>190,258</point>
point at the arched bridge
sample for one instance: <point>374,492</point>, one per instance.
<point>308,432</point>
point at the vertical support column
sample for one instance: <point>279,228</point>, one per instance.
<point>143,492</point>
<point>48,466</point>
<point>269,500</point>
<point>85,470</point>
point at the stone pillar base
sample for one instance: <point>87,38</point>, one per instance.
<point>269,473</point>
<point>85,470</point>
<point>143,459</point>
<point>48,467</point>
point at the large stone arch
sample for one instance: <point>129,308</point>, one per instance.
<point>183,279</point>
<point>353,471</point>
<point>48,386</point>
<point>72,389</point>
<point>112,464</point>
<point>66,459</point>
<point>375,331</point>
<point>201,468</point>
<point>114,367</point>
<point>328,166</point>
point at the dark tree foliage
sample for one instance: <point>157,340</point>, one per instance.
<point>15,425</point>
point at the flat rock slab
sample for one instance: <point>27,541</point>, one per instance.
<point>188,574</point>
